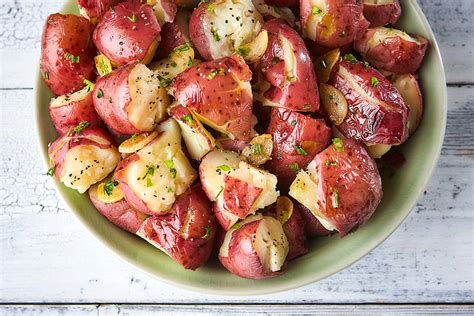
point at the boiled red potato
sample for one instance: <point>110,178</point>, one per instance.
<point>219,94</point>
<point>198,140</point>
<point>376,112</point>
<point>67,53</point>
<point>178,60</point>
<point>296,140</point>
<point>82,157</point>
<point>392,50</point>
<point>157,173</point>
<point>410,91</point>
<point>94,9</point>
<point>129,32</point>
<point>173,34</point>
<point>218,28</point>
<point>165,10</point>
<point>289,79</point>
<point>187,232</point>
<point>332,23</point>
<point>341,186</point>
<point>69,110</point>
<point>108,199</point>
<point>256,248</point>
<point>270,12</point>
<point>312,226</point>
<point>131,99</point>
<point>382,12</point>
<point>237,188</point>
<point>292,221</point>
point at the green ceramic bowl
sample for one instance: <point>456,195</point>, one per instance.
<point>327,255</point>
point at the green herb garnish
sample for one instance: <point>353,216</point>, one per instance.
<point>256,149</point>
<point>170,165</point>
<point>243,51</point>
<point>212,74</point>
<point>338,144</point>
<point>315,10</point>
<point>215,35</point>
<point>149,183</point>
<point>89,85</point>
<point>164,82</point>
<point>224,168</point>
<point>71,57</point>
<point>300,150</point>
<point>132,18</point>
<point>50,172</point>
<point>350,58</point>
<point>330,163</point>
<point>374,81</point>
<point>110,186</point>
<point>295,167</point>
<point>187,118</point>
<point>81,126</point>
<point>100,93</point>
<point>294,122</point>
<point>149,171</point>
<point>208,231</point>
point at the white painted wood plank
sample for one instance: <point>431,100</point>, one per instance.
<point>233,310</point>
<point>21,23</point>
<point>47,256</point>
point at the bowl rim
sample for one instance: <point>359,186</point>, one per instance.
<point>342,264</point>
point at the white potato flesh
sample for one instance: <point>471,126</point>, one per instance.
<point>149,101</point>
<point>85,165</point>
<point>197,139</point>
<point>213,179</point>
<point>410,91</point>
<point>276,12</point>
<point>381,33</point>
<point>304,189</point>
<point>244,23</point>
<point>310,29</point>
<point>256,48</point>
<point>378,150</point>
<point>158,9</point>
<point>289,58</point>
<point>271,244</point>
<point>160,189</point>
<point>70,98</point>
<point>136,142</point>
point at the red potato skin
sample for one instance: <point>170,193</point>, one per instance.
<point>112,105</point>
<point>232,144</point>
<point>239,196</point>
<point>312,226</point>
<point>357,180</point>
<point>365,120</point>
<point>394,54</point>
<point>94,9</point>
<point>192,248</point>
<point>344,17</point>
<point>119,213</point>
<point>73,141</point>
<point>220,99</point>
<point>282,3</point>
<point>73,113</point>
<point>66,34</point>
<point>312,135</point>
<point>242,258</point>
<point>196,31</point>
<point>171,37</point>
<point>120,39</point>
<point>382,14</point>
<point>301,94</point>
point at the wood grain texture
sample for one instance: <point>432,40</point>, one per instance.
<point>232,310</point>
<point>47,256</point>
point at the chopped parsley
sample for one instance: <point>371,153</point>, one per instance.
<point>134,137</point>
<point>210,8</point>
<point>224,168</point>
<point>149,171</point>
<point>132,18</point>
<point>187,118</point>
<point>350,58</point>
<point>300,150</point>
<point>104,65</point>
<point>190,62</point>
<point>215,35</point>
<point>164,82</point>
<point>149,183</point>
<point>110,186</point>
<point>294,122</point>
<point>208,232</point>
<point>173,64</point>
<point>236,226</point>
<point>220,191</point>
<point>338,144</point>
<point>256,149</point>
<point>212,74</point>
<point>181,48</point>
<point>295,167</point>
<point>243,51</point>
<point>50,172</point>
<point>170,189</point>
<point>366,64</point>
<point>170,165</point>
<point>307,106</point>
<point>89,85</point>
<point>374,81</point>
<point>315,10</point>
<point>71,57</point>
<point>100,93</point>
<point>81,126</point>
<point>330,163</point>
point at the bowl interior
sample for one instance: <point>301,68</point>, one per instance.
<point>326,255</point>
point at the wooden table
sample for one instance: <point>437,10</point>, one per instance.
<point>50,263</point>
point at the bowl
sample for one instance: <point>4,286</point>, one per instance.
<point>327,255</point>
